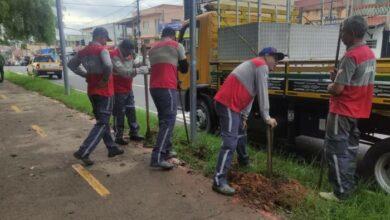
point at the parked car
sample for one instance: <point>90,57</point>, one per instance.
<point>45,65</point>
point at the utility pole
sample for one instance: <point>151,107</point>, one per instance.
<point>193,71</point>
<point>62,43</point>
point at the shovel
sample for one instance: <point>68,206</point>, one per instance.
<point>270,143</point>
<point>148,135</point>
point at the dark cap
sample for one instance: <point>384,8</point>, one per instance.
<point>127,44</point>
<point>100,32</point>
<point>271,51</point>
<point>168,32</point>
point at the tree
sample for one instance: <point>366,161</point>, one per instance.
<point>23,19</point>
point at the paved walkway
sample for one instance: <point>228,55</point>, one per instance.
<point>37,139</point>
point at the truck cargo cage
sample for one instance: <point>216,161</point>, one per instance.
<point>299,42</point>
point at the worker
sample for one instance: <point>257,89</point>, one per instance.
<point>233,103</point>
<point>351,99</point>
<point>124,71</point>
<point>166,57</point>
<point>97,62</point>
<point>2,63</point>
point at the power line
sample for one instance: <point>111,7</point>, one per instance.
<point>107,15</point>
<point>97,5</point>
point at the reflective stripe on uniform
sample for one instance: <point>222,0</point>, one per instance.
<point>336,165</point>
<point>222,166</point>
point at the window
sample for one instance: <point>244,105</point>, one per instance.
<point>43,59</point>
<point>145,26</point>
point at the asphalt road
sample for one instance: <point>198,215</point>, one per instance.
<point>78,83</point>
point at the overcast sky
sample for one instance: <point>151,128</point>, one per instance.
<point>84,13</point>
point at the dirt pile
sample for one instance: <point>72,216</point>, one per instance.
<point>267,194</point>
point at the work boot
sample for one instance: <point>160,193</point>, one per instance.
<point>86,160</point>
<point>171,154</point>
<point>121,141</point>
<point>224,189</point>
<point>136,137</point>
<point>114,151</point>
<point>330,196</point>
<point>165,165</point>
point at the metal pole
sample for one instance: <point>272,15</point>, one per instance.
<point>331,12</point>
<point>322,11</point>
<point>115,41</point>
<point>219,13</point>
<point>146,86</point>
<point>288,10</point>
<point>237,12</point>
<point>62,43</point>
<point>258,10</point>
<point>249,12</point>
<point>193,71</point>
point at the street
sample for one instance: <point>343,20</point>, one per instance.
<point>78,83</point>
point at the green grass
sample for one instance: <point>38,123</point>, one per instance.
<point>365,204</point>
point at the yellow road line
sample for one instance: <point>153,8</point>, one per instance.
<point>91,180</point>
<point>16,108</point>
<point>39,130</point>
<point>3,96</point>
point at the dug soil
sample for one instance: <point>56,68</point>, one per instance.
<point>267,194</point>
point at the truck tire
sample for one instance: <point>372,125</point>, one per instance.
<point>59,75</point>
<point>206,119</point>
<point>377,164</point>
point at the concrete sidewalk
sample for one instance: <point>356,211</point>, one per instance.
<point>37,138</point>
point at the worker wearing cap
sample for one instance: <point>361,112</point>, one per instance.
<point>124,71</point>
<point>166,57</point>
<point>96,61</point>
<point>233,103</point>
<point>351,99</point>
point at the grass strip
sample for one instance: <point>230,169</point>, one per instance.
<point>367,203</point>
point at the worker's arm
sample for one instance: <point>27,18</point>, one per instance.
<point>74,65</point>
<point>343,77</point>
<point>106,64</point>
<point>335,89</point>
<point>246,111</point>
<point>262,91</point>
<point>183,63</point>
<point>123,68</point>
<point>126,69</point>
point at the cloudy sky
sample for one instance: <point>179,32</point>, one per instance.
<point>85,13</point>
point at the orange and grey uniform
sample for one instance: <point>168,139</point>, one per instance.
<point>96,61</point>
<point>124,72</point>
<point>233,101</point>
<point>342,133</point>
<point>164,58</point>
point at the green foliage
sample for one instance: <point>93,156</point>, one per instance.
<point>23,19</point>
<point>367,203</point>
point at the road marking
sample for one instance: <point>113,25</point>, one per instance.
<point>91,180</point>
<point>16,108</point>
<point>39,130</point>
<point>3,97</point>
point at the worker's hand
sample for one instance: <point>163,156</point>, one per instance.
<point>271,122</point>
<point>334,74</point>
<point>244,124</point>
<point>143,70</point>
<point>102,84</point>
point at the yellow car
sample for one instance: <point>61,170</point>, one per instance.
<point>45,65</point>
